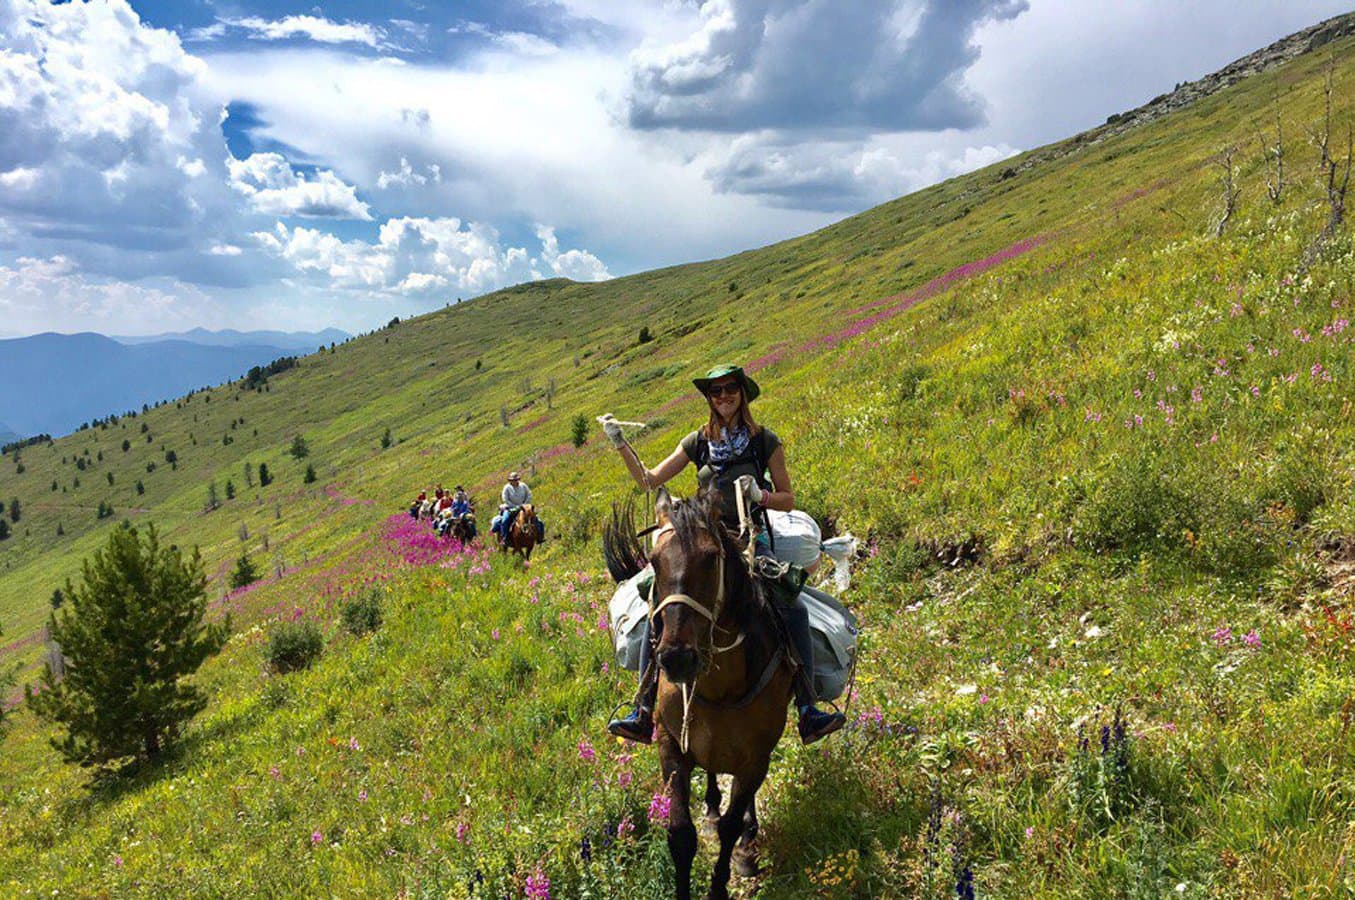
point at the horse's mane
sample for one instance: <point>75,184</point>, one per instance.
<point>625,555</point>
<point>621,548</point>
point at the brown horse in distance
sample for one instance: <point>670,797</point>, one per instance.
<point>720,645</point>
<point>524,532</point>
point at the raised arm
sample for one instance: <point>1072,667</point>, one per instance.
<point>652,478</point>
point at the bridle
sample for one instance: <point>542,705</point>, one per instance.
<point>710,613</point>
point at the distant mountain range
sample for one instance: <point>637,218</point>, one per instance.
<point>290,340</point>
<point>55,382</point>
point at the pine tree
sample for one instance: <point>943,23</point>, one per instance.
<point>132,629</point>
<point>212,501</point>
<point>265,479</point>
<point>4,530</point>
<point>310,474</point>
<point>14,510</point>
<point>299,449</point>
<point>579,430</point>
<point>230,489</point>
<point>386,439</point>
<point>245,572</point>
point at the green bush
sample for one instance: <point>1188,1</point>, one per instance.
<point>362,614</point>
<point>1135,505</point>
<point>294,645</point>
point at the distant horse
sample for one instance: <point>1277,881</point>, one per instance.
<point>525,531</point>
<point>721,648</point>
<point>463,529</point>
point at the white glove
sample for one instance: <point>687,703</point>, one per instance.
<point>748,485</point>
<point>612,429</point>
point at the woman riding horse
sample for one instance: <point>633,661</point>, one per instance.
<point>722,694</point>
<point>731,453</point>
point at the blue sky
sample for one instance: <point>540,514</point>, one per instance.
<point>165,165</point>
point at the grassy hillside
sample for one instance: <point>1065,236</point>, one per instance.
<point>1103,460</point>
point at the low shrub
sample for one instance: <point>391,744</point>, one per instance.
<point>362,614</point>
<point>294,645</point>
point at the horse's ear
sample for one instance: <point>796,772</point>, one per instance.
<point>663,506</point>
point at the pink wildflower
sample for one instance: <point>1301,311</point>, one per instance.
<point>1223,635</point>
<point>659,808</point>
<point>586,751</point>
<point>117,861</point>
<point>353,744</point>
<point>1252,639</point>
<point>538,886</point>
<point>463,832</point>
<point>316,837</point>
<point>362,796</point>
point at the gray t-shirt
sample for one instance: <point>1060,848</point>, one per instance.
<point>752,461</point>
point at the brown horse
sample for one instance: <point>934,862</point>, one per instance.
<point>724,681</point>
<point>524,532</point>
<point>462,529</point>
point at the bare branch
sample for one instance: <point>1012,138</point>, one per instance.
<point>1231,192</point>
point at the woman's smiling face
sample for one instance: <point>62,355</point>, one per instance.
<point>725,396</point>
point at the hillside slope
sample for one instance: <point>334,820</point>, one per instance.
<point>1102,460</point>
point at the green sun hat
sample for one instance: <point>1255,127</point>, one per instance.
<point>750,388</point>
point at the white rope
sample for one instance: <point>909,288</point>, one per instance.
<point>604,418</point>
<point>686,714</point>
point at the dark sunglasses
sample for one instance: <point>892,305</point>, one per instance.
<point>728,389</point>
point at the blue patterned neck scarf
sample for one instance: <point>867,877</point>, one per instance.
<point>730,446</point>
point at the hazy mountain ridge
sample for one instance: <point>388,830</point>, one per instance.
<point>306,341</point>
<point>56,382</point>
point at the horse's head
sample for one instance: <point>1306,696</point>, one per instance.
<point>527,514</point>
<point>696,582</point>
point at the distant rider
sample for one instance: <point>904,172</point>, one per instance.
<point>514,496</point>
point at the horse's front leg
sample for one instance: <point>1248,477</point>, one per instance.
<point>731,826</point>
<point>677,780</point>
<point>745,854</point>
<point>712,804</point>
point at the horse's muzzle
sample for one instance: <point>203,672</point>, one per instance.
<point>680,664</point>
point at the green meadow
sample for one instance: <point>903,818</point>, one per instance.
<point>1101,462</point>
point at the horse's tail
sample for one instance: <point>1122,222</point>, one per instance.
<point>620,547</point>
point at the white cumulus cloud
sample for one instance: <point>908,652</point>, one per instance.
<point>52,294</point>
<point>579,265</point>
<point>275,188</point>
<point>416,255</point>
<point>314,28</point>
<point>406,175</point>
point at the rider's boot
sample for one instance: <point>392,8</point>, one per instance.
<point>814,722</point>
<point>638,726</point>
